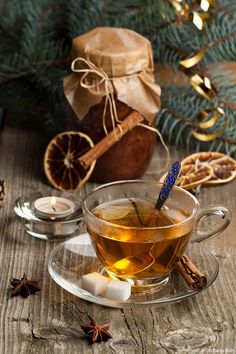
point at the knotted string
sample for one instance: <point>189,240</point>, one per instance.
<point>102,78</point>
<point>155,130</point>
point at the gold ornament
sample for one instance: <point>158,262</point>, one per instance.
<point>186,64</point>
<point>206,120</point>
<point>202,84</point>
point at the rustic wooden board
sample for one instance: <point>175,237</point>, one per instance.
<point>49,322</point>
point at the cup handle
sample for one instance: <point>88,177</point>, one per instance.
<point>218,210</point>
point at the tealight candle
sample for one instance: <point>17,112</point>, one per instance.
<point>53,207</point>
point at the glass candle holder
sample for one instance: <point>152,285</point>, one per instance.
<point>50,221</point>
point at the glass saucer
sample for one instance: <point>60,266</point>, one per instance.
<point>76,257</point>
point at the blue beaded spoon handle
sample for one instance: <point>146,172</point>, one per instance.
<point>168,184</point>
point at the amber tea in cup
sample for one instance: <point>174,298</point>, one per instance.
<point>132,239</point>
<point>143,256</point>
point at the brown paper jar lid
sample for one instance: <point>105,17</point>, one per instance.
<point>127,59</point>
<point>119,51</point>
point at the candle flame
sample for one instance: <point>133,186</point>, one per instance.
<point>53,203</point>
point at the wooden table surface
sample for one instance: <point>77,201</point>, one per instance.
<point>49,321</point>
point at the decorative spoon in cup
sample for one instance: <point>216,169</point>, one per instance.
<point>145,260</point>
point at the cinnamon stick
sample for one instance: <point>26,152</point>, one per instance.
<point>102,146</point>
<point>193,277</point>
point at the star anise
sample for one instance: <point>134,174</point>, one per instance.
<point>24,286</point>
<point>95,332</point>
<point>2,192</point>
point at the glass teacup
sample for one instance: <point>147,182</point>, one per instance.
<point>134,241</point>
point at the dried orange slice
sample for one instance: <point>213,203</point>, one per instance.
<point>193,175</point>
<point>61,160</point>
<point>224,166</point>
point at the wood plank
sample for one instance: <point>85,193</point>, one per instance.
<point>49,322</point>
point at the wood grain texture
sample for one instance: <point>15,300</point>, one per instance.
<point>49,322</point>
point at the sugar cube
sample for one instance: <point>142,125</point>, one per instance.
<point>94,282</point>
<point>118,290</point>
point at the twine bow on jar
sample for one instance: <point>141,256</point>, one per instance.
<point>101,78</point>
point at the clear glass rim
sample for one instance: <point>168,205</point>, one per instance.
<point>104,222</point>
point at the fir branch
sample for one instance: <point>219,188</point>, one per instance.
<point>103,10</point>
<point>36,47</point>
<point>222,40</point>
<point>33,68</point>
<point>228,8</point>
<point>194,126</point>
